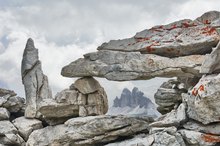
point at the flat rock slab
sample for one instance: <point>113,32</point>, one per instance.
<point>88,131</point>
<point>124,66</point>
<point>184,37</point>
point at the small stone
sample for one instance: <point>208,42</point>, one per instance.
<point>4,114</point>
<point>87,85</point>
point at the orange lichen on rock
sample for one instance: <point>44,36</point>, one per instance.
<point>201,88</point>
<point>209,30</point>
<point>210,138</point>
<point>142,39</point>
<point>194,92</point>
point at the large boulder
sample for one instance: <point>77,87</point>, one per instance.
<point>184,37</point>
<point>203,100</point>
<point>88,131</point>
<point>35,82</point>
<point>124,66</point>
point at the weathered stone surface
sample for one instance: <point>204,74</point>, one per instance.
<point>7,127</point>
<point>195,126</point>
<point>87,85</point>
<point>26,126</point>
<point>139,140</point>
<point>184,37</point>
<point>35,82</point>
<point>211,62</point>
<point>167,137</point>
<point>197,138</point>
<point>169,95</point>
<point>173,118</point>
<point>123,66</point>
<point>210,18</point>
<point>71,103</point>
<point>10,101</point>
<point>11,139</point>
<point>8,134</point>
<point>204,100</point>
<point>4,114</point>
<point>87,131</point>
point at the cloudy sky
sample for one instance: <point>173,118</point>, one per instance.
<point>64,30</point>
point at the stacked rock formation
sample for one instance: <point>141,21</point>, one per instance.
<point>186,49</point>
<point>182,49</point>
<point>169,95</point>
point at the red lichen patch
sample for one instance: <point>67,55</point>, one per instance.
<point>207,22</point>
<point>142,39</point>
<point>150,49</point>
<point>210,138</point>
<point>172,27</point>
<point>185,25</point>
<point>201,88</point>
<point>194,92</point>
<point>209,30</point>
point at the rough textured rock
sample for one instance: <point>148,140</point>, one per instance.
<point>26,126</point>
<point>169,95</point>
<point>123,66</point>
<point>197,138</point>
<point>4,114</point>
<point>87,85</point>
<point>173,118</point>
<point>87,131</point>
<point>35,82</point>
<point>184,37</point>
<point>195,126</point>
<point>211,62</point>
<point>204,100</point>
<point>8,134</point>
<point>10,101</point>
<point>167,137</point>
<point>139,140</point>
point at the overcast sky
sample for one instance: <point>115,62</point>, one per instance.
<point>64,30</point>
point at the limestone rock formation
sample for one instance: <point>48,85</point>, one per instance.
<point>72,103</point>
<point>204,99</point>
<point>55,121</point>
<point>35,82</point>
<point>124,66</point>
<point>87,131</point>
<point>169,95</point>
<point>184,37</point>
